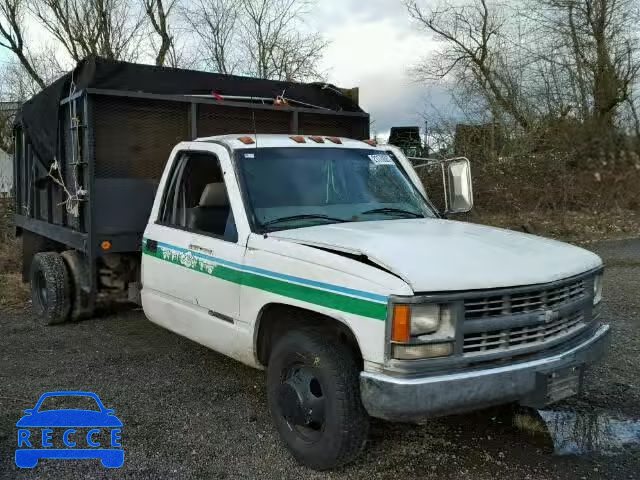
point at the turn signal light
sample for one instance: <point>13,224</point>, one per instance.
<point>401,323</point>
<point>105,245</point>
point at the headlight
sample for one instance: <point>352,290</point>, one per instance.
<point>422,331</point>
<point>425,319</point>
<point>597,289</point>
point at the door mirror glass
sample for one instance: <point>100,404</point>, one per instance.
<point>458,185</point>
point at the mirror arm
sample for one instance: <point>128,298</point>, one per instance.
<point>446,191</point>
<point>444,163</point>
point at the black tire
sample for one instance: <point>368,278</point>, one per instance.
<point>334,374</point>
<point>50,287</point>
<point>82,300</point>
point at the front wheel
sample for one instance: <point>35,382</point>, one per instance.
<point>314,396</point>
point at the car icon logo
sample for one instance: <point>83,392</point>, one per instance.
<point>92,431</point>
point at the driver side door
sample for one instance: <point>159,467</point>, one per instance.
<point>192,251</point>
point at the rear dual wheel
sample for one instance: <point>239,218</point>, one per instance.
<point>50,287</point>
<point>314,397</point>
<point>57,291</point>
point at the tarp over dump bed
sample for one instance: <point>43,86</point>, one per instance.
<point>39,116</point>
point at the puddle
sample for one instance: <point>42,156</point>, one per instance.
<point>578,433</point>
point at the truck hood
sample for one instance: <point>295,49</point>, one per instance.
<point>442,255</point>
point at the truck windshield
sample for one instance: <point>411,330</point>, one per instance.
<point>297,187</point>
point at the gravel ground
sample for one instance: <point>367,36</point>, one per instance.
<point>191,413</point>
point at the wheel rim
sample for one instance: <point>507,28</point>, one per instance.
<point>41,289</point>
<point>301,401</point>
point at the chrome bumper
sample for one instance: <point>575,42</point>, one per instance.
<point>415,399</point>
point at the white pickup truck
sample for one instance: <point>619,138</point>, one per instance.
<point>322,260</point>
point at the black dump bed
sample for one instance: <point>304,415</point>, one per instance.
<point>91,147</point>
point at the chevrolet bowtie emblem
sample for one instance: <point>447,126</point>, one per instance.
<point>548,316</point>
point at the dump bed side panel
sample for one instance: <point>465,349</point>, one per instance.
<point>133,139</point>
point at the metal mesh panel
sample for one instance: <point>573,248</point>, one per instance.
<point>134,137</point>
<point>334,125</point>
<point>221,120</point>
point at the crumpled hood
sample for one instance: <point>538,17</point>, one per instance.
<point>443,255</point>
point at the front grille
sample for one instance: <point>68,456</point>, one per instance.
<point>513,303</point>
<point>524,336</point>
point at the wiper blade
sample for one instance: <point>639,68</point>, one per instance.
<point>305,216</point>
<point>393,211</point>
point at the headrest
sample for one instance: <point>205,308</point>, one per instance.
<point>214,195</point>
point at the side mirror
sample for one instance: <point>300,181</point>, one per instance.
<point>458,187</point>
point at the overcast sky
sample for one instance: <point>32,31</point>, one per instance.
<point>373,44</point>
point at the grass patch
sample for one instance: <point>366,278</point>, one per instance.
<point>14,294</point>
<point>527,422</point>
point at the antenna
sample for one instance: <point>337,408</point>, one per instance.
<point>253,117</point>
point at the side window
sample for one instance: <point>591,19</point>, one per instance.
<point>196,198</point>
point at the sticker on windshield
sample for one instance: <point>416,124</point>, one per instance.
<point>381,159</point>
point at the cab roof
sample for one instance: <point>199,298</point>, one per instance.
<point>235,141</point>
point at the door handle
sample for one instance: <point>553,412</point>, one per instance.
<point>151,245</point>
<point>198,248</point>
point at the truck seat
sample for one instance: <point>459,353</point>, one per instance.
<point>213,211</point>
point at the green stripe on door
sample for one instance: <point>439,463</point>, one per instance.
<point>336,301</point>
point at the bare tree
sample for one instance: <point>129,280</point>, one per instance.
<point>262,38</point>
<point>604,48</point>
<point>11,92</point>
<point>12,14</point>
<point>296,57</point>
<point>158,13</point>
<point>276,47</point>
<point>560,65</point>
<point>473,53</point>
<point>182,54</point>
<point>215,22</point>
<point>109,28</point>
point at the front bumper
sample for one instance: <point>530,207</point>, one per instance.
<point>416,399</point>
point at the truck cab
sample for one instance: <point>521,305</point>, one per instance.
<point>322,260</point>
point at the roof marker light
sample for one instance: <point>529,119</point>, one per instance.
<point>371,142</point>
<point>247,140</point>
<point>334,140</point>
<point>317,139</point>
<point>298,138</point>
